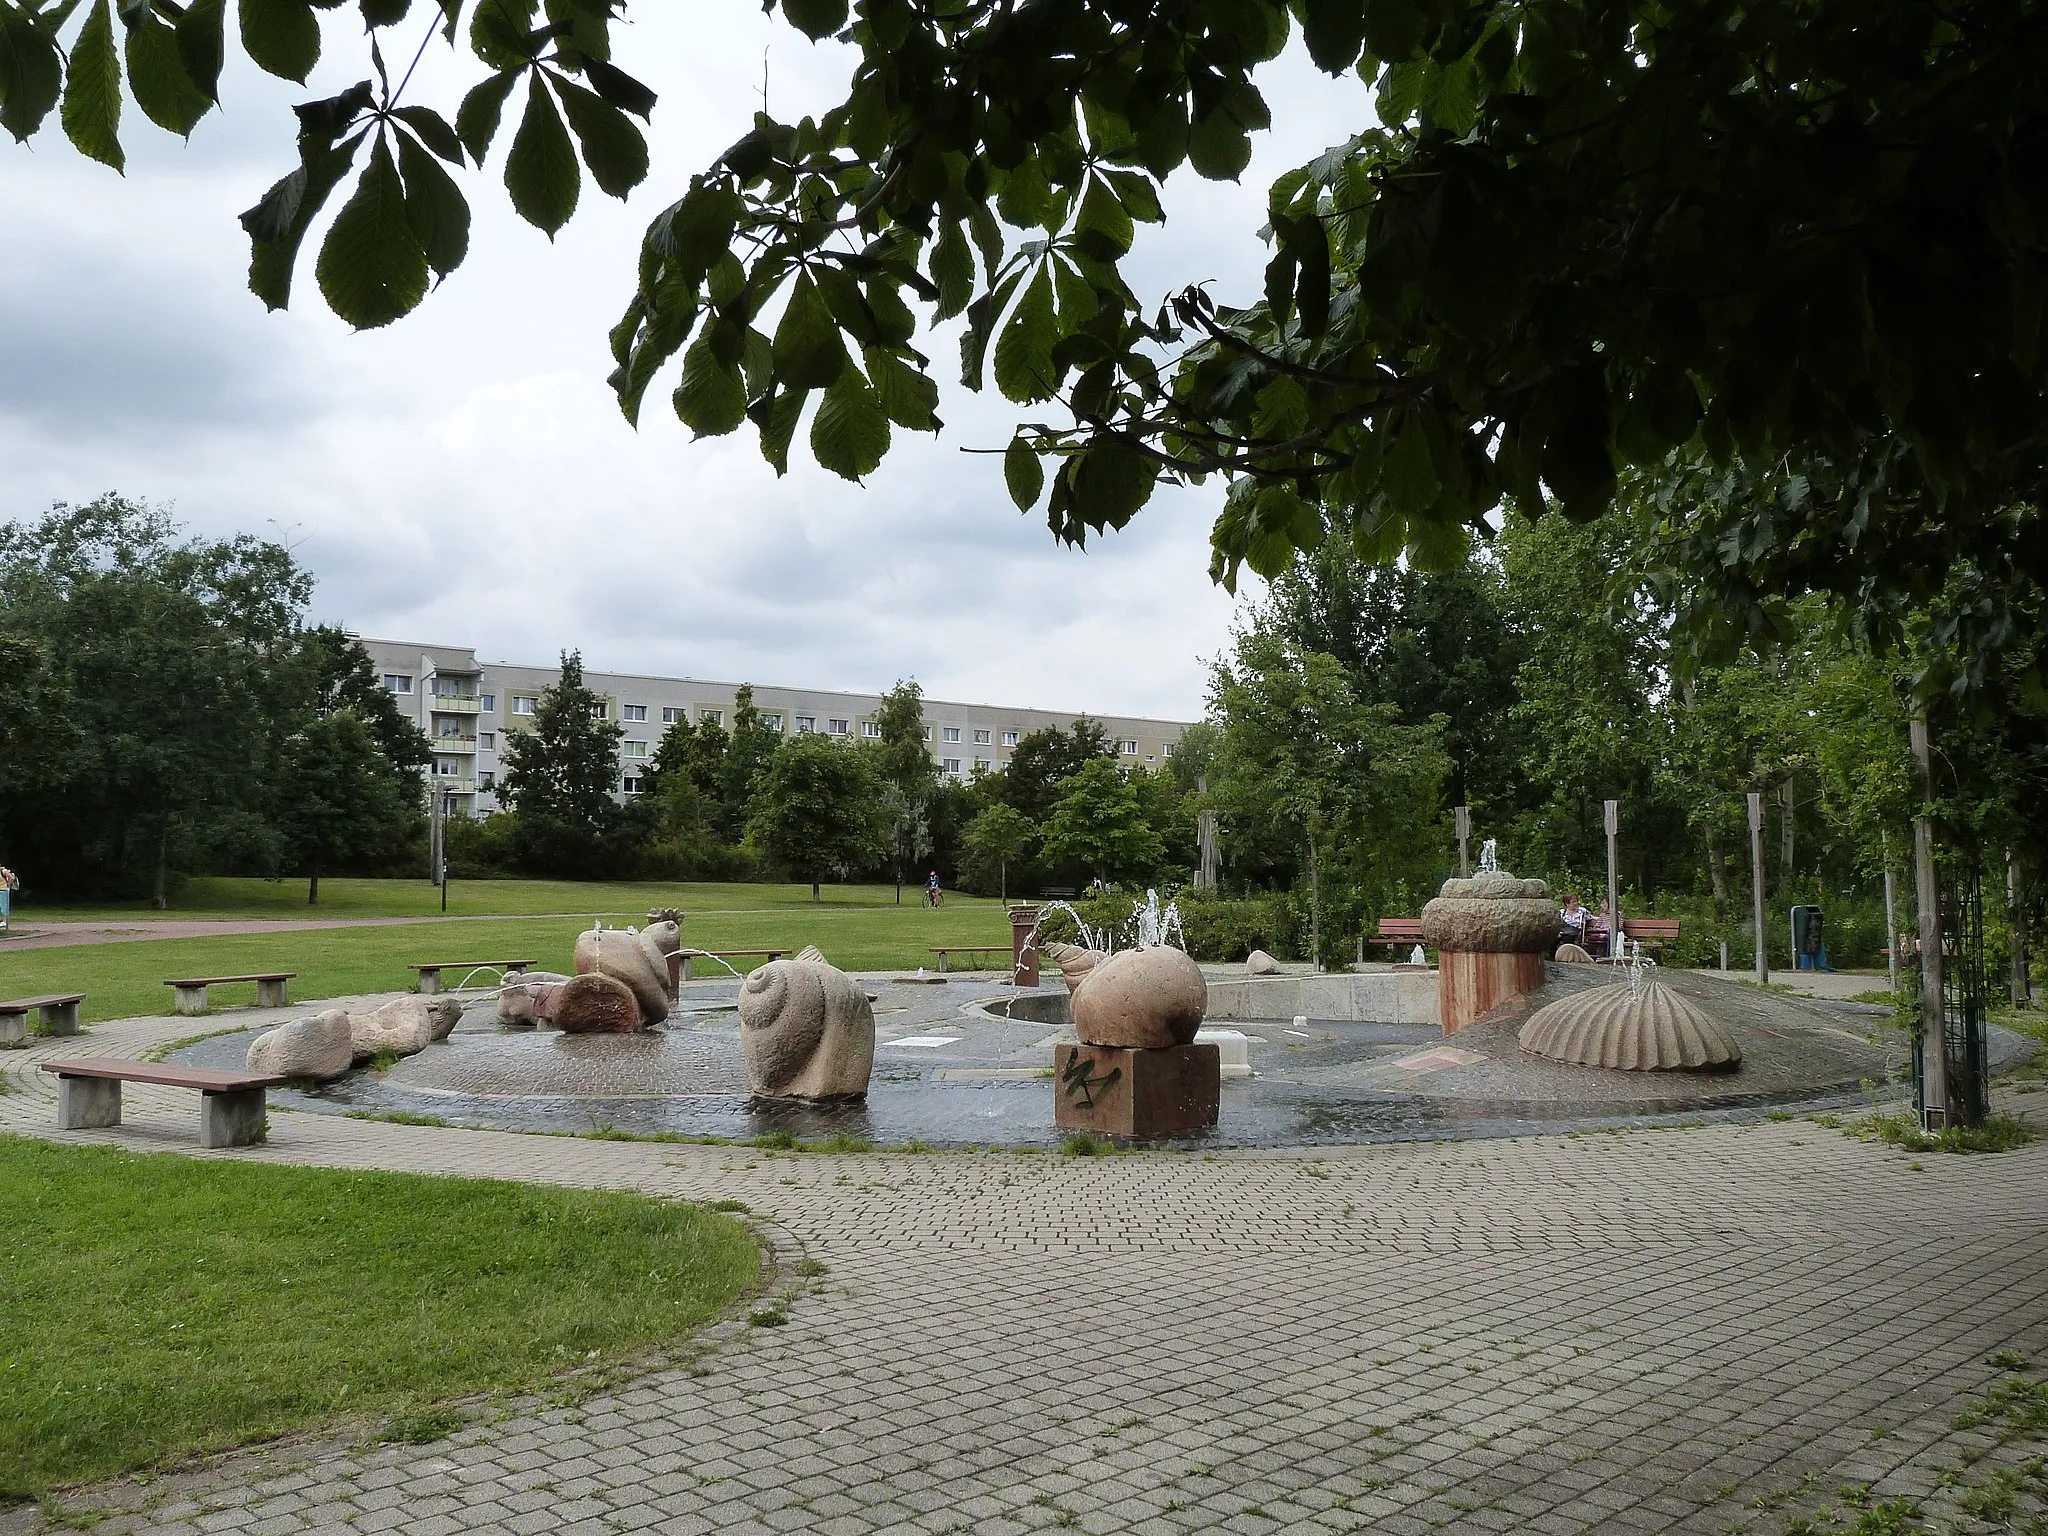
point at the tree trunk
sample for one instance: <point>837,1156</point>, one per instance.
<point>163,863</point>
<point>1315,910</point>
<point>313,884</point>
<point>814,892</point>
<point>1785,830</point>
<point>1003,881</point>
<point>1716,872</point>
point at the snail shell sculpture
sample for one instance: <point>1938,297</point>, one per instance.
<point>1646,1029</point>
<point>806,1031</point>
<point>641,967</point>
<point>1074,961</point>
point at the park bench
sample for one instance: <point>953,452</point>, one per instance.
<point>1650,932</point>
<point>430,973</point>
<point>728,954</point>
<point>270,989</point>
<point>1400,932</point>
<point>943,950</point>
<point>58,1014</point>
<point>231,1112</point>
<point>1057,893</point>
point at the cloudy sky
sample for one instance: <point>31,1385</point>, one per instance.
<point>464,477</point>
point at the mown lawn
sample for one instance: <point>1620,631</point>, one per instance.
<point>161,1306</point>
<point>220,896</point>
<point>125,979</point>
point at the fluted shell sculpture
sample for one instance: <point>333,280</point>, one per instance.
<point>1631,1029</point>
<point>807,1032</point>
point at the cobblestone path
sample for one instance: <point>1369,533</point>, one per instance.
<point>1698,1330</point>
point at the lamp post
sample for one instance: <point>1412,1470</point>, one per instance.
<point>1463,814</point>
<point>1927,892</point>
<point>1756,879</point>
<point>1612,819</point>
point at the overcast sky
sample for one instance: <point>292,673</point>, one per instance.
<point>464,477</point>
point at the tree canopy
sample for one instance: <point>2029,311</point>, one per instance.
<point>1785,253</point>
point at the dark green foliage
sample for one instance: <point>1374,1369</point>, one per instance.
<point>560,776</point>
<point>817,812</point>
<point>1097,829</point>
<point>907,775</point>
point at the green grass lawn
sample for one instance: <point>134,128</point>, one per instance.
<point>160,1306</point>
<point>125,979</point>
<point>220,896</point>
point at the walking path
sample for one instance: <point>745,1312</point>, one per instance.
<point>1699,1330</point>
<point>58,935</point>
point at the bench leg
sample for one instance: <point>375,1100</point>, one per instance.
<point>271,994</point>
<point>13,1028</point>
<point>942,962</point>
<point>430,983</point>
<point>686,967</point>
<point>232,1119</point>
<point>60,1018</point>
<point>88,1103</point>
<point>191,1000</point>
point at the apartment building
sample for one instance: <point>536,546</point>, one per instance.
<point>467,707</point>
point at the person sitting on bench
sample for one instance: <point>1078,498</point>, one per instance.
<point>1573,919</point>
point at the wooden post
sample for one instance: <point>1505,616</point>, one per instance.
<point>1891,927</point>
<point>1612,818</point>
<point>1934,1105</point>
<point>1463,813</point>
<point>1756,880</point>
<point>2016,920</point>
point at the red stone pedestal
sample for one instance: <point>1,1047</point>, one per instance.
<point>1469,985</point>
<point>1164,1092</point>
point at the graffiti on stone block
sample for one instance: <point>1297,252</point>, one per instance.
<point>1081,1086</point>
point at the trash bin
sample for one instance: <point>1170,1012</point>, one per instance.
<point>1809,939</point>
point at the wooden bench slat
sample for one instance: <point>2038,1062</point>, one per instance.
<point>205,1079</point>
<point>218,981</point>
<point>23,1004</point>
<point>456,965</point>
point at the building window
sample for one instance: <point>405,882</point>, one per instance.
<point>950,733</point>
<point>981,738</point>
<point>715,716</point>
<point>670,714</point>
<point>1009,738</point>
<point>772,723</point>
<point>448,767</point>
<point>489,701</point>
<point>951,765</point>
<point>601,710</point>
<point>927,733</point>
<point>522,705</point>
<point>871,730</point>
<point>630,785</point>
<point>447,688</point>
<point>488,741</point>
<point>397,682</point>
<point>487,781</point>
<point>836,728</point>
<point>1167,751</point>
<point>1128,748</point>
<point>805,724</point>
<point>633,712</point>
<point>635,748</point>
<point>980,763</point>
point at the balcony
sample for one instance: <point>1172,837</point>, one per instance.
<point>454,704</point>
<point>455,744</point>
<point>449,786</point>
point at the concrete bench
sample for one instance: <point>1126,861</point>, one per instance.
<point>430,974</point>
<point>58,1014</point>
<point>231,1105</point>
<point>270,989</point>
<point>943,950</point>
<point>728,954</point>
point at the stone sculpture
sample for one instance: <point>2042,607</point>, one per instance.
<point>405,1025</point>
<point>1635,1028</point>
<point>1572,954</point>
<point>596,1004</point>
<point>1074,961</point>
<point>528,999</point>
<point>807,1031</point>
<point>623,956</point>
<point>1141,998</point>
<point>320,1047</point>
<point>1136,1068</point>
<point>1259,963</point>
<point>1491,932</point>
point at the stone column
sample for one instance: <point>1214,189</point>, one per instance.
<point>1492,934</point>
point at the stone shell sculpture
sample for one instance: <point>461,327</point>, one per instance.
<point>320,1047</point>
<point>621,956</point>
<point>1259,963</point>
<point>1143,999</point>
<point>1074,961</point>
<point>405,1025</point>
<point>807,1031</point>
<point>596,1004</point>
<point>1572,954</point>
<point>1491,914</point>
<point>1631,1029</point>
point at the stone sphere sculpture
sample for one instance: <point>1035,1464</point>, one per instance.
<point>1631,1029</point>
<point>596,1004</point>
<point>1491,934</point>
<point>621,956</point>
<point>1143,999</point>
<point>807,1032</point>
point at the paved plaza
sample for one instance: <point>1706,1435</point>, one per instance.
<point>1728,1327</point>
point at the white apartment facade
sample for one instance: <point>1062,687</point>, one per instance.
<point>467,707</point>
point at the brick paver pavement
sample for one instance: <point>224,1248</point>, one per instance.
<point>1694,1330</point>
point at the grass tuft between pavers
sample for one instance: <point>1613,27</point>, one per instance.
<point>161,1306</point>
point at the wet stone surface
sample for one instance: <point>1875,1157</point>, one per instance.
<point>950,1071</point>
